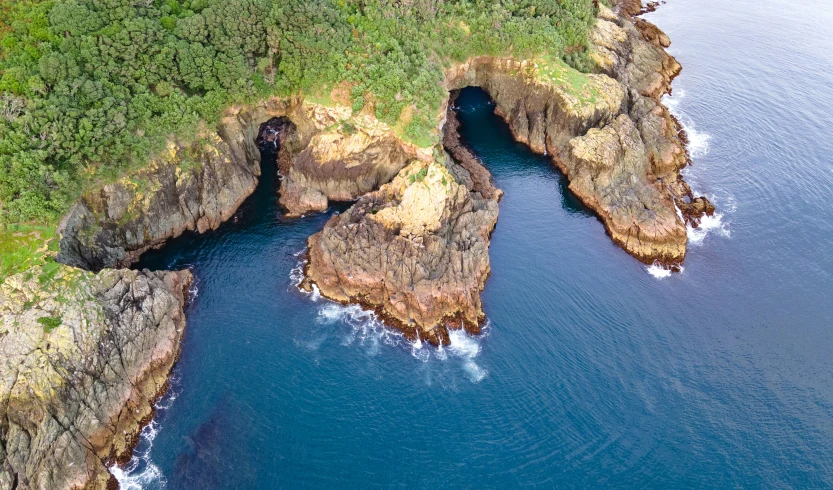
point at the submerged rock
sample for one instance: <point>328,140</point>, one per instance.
<point>83,357</point>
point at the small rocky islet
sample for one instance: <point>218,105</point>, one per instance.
<point>78,387</point>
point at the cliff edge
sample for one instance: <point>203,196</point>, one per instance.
<point>83,358</point>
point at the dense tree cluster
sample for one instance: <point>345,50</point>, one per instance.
<point>88,87</point>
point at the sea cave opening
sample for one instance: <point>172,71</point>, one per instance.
<point>473,122</point>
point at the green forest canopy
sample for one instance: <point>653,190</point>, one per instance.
<point>88,86</point>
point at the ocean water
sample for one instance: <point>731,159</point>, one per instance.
<point>593,371</point>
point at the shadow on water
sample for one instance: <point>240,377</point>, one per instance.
<point>213,458</point>
<point>259,213</point>
<point>481,128</point>
<point>260,208</point>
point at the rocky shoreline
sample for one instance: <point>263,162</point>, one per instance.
<point>414,246</point>
<point>83,360</point>
<point>608,132</point>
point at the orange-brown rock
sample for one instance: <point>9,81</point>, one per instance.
<point>416,250</point>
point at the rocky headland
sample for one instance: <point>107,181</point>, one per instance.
<point>608,131</point>
<point>416,251</point>
<point>83,358</point>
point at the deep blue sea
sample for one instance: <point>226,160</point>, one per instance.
<point>593,371</point>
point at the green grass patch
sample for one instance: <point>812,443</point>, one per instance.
<point>50,323</point>
<point>25,246</point>
<point>554,71</point>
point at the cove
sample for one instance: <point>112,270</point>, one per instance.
<point>591,371</point>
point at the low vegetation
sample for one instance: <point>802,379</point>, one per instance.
<point>23,247</point>
<point>50,323</point>
<point>89,87</point>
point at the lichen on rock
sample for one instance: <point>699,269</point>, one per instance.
<point>75,390</point>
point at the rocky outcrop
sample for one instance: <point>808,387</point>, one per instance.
<point>325,153</point>
<point>330,154</point>
<point>416,251</point>
<point>350,156</point>
<point>83,358</point>
<point>608,132</point>
<point>193,186</point>
<point>476,177</point>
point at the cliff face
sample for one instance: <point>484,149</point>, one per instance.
<point>82,360</point>
<point>608,132</point>
<point>325,153</point>
<point>196,186</point>
<point>331,153</point>
<point>416,251</point>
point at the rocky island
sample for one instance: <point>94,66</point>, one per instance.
<point>88,350</point>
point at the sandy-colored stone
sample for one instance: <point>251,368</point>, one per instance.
<point>416,251</point>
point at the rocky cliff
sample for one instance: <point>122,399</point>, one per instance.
<point>416,251</point>
<point>325,153</point>
<point>190,186</point>
<point>608,132</point>
<point>83,357</point>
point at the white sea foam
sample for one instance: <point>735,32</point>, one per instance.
<point>141,472</point>
<point>698,147</point>
<point>368,331</point>
<point>698,142</point>
<point>659,271</point>
<point>708,224</point>
<point>467,348</point>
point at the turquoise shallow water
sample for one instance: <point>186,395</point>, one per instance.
<point>592,371</point>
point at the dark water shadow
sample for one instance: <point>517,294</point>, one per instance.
<point>480,123</point>
<point>216,456</point>
<point>259,213</point>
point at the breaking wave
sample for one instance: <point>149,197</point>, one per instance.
<point>661,272</point>
<point>369,332</point>
<point>698,147</point>
<point>698,142</point>
<point>141,472</point>
<point>708,224</point>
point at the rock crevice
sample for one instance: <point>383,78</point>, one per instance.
<point>76,390</point>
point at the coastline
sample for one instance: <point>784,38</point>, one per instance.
<point>606,121</point>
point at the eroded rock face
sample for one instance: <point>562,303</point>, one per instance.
<point>189,187</point>
<point>416,251</point>
<point>355,155</point>
<point>325,153</point>
<point>608,132</point>
<point>82,360</point>
<point>609,168</point>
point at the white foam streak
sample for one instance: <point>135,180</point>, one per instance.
<point>141,472</point>
<point>698,142</point>
<point>368,331</point>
